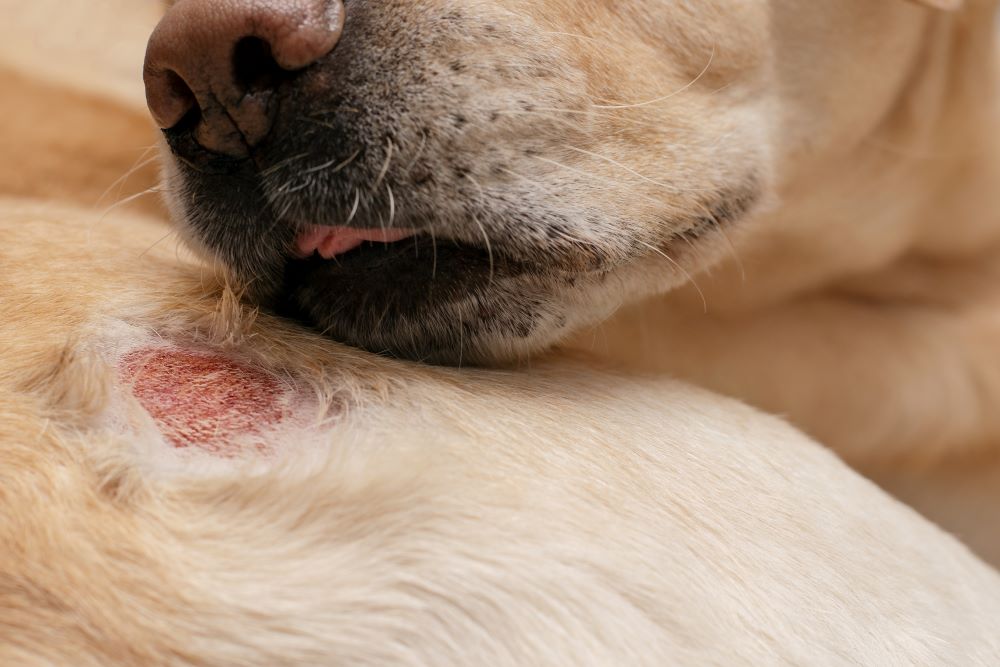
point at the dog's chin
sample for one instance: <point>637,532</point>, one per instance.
<point>429,300</point>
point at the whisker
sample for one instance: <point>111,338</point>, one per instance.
<point>340,167</point>
<point>385,167</point>
<point>704,301</point>
<point>461,340</point>
<point>286,189</point>
<point>127,200</point>
<point>733,252</point>
<point>392,206</point>
<point>687,86</point>
<point>522,177</point>
<point>548,191</point>
<point>281,165</point>
<point>482,229</point>
<point>158,242</point>
<point>602,115</point>
<point>668,188</point>
<point>140,162</point>
<point>615,185</point>
<point>434,254</point>
<point>354,209</point>
<point>420,150</point>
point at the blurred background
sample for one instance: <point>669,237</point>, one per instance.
<point>76,64</point>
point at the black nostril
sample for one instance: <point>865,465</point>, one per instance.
<point>217,67</point>
<point>254,67</point>
<point>185,98</point>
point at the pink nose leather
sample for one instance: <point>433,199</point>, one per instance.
<point>225,58</point>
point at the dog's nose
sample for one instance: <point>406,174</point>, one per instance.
<point>216,64</point>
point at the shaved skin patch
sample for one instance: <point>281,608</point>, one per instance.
<point>208,401</point>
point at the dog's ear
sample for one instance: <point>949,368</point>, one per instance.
<point>946,5</point>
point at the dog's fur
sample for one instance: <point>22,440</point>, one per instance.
<point>864,305</point>
<point>555,516</point>
<point>865,128</point>
<point>565,157</point>
<point>820,175</point>
<point>559,515</point>
<point>872,279</point>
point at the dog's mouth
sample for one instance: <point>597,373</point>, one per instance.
<point>409,294</point>
<point>332,242</point>
<point>391,269</point>
<point>406,259</point>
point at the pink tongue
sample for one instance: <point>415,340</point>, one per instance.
<point>332,241</point>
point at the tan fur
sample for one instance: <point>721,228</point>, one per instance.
<point>561,515</point>
<point>863,306</point>
<point>890,218</point>
<point>861,135</point>
<point>555,516</point>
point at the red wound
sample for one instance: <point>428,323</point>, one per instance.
<point>205,400</point>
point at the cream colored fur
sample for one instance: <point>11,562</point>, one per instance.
<point>864,305</point>
<point>556,516</point>
<point>881,239</point>
<point>858,298</point>
<point>561,515</point>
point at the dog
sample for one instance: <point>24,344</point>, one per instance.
<point>186,481</point>
<point>464,182</point>
<point>471,183</point>
<point>373,511</point>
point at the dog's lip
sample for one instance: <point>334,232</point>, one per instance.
<point>332,241</point>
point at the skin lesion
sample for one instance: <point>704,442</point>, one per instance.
<point>205,399</point>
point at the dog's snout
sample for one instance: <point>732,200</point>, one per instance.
<point>216,64</point>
